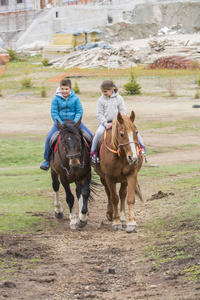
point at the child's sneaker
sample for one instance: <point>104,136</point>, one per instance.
<point>143,150</point>
<point>95,159</point>
<point>45,165</point>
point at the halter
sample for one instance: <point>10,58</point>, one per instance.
<point>81,166</point>
<point>139,152</point>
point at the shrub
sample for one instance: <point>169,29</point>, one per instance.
<point>43,91</point>
<point>197,95</point>
<point>13,54</point>
<point>170,88</point>
<point>45,62</point>
<point>26,81</point>
<point>0,93</point>
<point>198,81</point>
<point>132,87</point>
<point>76,88</point>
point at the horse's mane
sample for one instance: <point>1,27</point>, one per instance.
<point>126,123</point>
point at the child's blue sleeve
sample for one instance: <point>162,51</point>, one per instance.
<point>54,111</point>
<point>79,110</point>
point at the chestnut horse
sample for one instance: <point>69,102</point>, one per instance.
<point>120,161</point>
<point>71,163</point>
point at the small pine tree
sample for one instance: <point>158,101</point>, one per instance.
<point>45,62</point>
<point>76,88</point>
<point>197,95</point>
<point>43,91</point>
<point>26,81</point>
<point>132,87</point>
<point>13,54</point>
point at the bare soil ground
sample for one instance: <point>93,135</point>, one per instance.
<point>96,262</point>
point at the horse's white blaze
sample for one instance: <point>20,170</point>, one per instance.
<point>132,145</point>
<point>82,217</point>
<point>58,207</point>
<point>73,218</point>
<point>122,216</point>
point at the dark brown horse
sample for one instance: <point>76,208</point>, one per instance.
<point>71,163</point>
<point>120,162</point>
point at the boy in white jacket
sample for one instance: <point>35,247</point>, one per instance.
<point>108,106</point>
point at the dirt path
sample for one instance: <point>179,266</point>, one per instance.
<point>56,263</point>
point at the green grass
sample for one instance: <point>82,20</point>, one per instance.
<point>20,152</point>
<point>190,125</point>
<point>172,170</point>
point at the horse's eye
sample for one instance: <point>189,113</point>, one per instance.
<point>121,133</point>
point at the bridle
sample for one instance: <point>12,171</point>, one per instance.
<point>70,156</point>
<point>139,152</point>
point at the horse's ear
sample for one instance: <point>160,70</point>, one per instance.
<point>119,118</point>
<point>78,123</point>
<point>132,116</point>
<point>59,125</point>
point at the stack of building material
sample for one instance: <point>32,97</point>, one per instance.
<point>172,62</point>
<point>96,58</point>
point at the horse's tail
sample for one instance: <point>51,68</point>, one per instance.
<point>94,186</point>
<point>138,191</point>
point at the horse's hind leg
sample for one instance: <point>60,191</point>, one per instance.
<point>56,185</point>
<point>122,195</point>
<point>70,202</point>
<point>109,213</point>
<point>83,193</point>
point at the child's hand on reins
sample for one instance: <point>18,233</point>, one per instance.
<point>109,126</point>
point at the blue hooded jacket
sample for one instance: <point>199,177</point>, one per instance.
<point>62,108</point>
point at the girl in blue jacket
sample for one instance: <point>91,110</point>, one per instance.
<point>65,105</point>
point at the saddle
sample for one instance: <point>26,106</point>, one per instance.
<point>99,145</point>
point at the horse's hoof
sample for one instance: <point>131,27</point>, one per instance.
<point>124,224</point>
<point>81,224</point>
<point>59,215</point>
<point>109,217</point>
<point>131,228</point>
<point>117,227</point>
<point>73,226</point>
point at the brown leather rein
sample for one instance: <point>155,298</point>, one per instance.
<point>139,152</point>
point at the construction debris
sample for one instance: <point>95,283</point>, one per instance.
<point>172,62</point>
<point>97,58</point>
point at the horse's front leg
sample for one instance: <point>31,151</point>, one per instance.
<point>57,203</point>
<point>115,200</point>
<point>70,201</point>
<point>132,180</point>
<point>122,195</point>
<point>83,193</point>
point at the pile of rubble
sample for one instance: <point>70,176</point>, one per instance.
<point>97,58</point>
<point>172,62</point>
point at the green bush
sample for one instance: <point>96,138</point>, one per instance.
<point>198,81</point>
<point>26,82</point>
<point>45,62</point>
<point>132,87</point>
<point>76,88</point>
<point>43,91</point>
<point>197,95</point>
<point>13,54</point>
<point>0,93</point>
